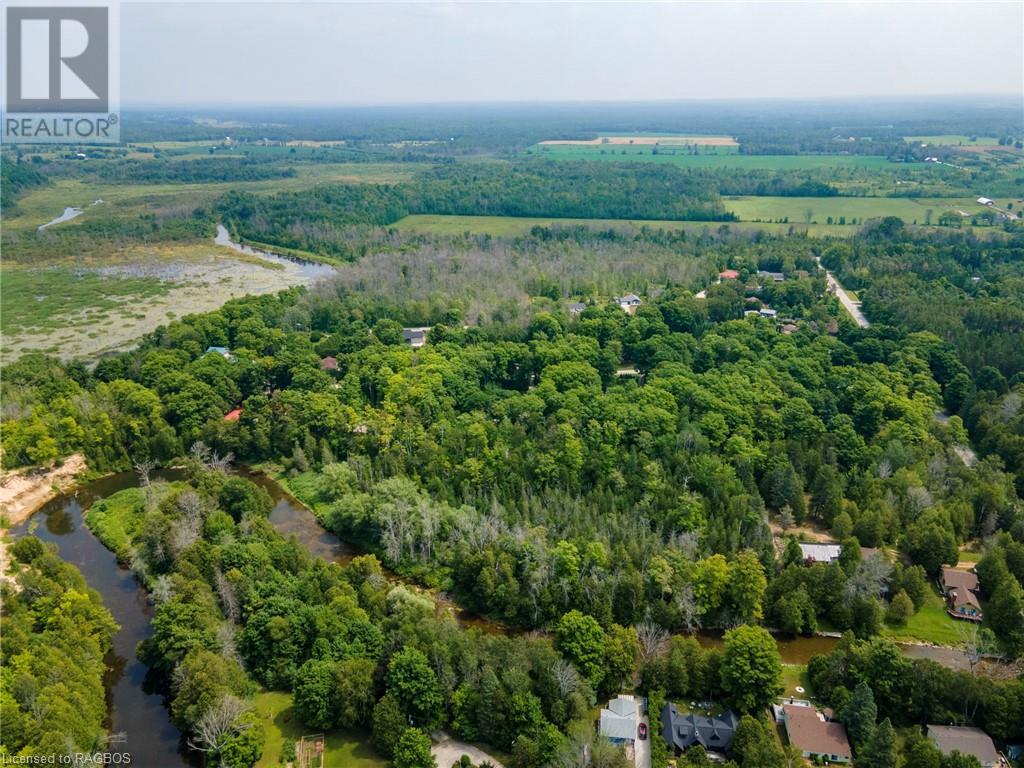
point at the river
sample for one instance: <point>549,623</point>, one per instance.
<point>136,707</point>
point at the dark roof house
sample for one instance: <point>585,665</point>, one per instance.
<point>966,741</point>
<point>681,731</point>
<point>961,590</point>
<point>415,337</point>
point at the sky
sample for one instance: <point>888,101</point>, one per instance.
<point>284,53</point>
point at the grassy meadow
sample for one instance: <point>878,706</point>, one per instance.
<point>954,139</point>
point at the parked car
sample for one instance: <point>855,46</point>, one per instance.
<point>642,730</point>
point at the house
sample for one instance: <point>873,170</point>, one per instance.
<point>629,302</point>
<point>329,364</point>
<point>815,736</point>
<point>681,731</point>
<point>820,553</point>
<point>415,337</point>
<point>618,723</point>
<point>576,308</point>
<point>222,351</point>
<point>789,328</point>
<point>985,201</point>
<point>966,741</point>
<point>728,274</point>
<point>961,591</point>
<point>778,277</point>
<point>769,313</point>
<point>233,415</point>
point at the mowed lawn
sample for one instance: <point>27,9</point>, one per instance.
<point>343,748</point>
<point>710,159</point>
<point>931,624</point>
<point>514,226</point>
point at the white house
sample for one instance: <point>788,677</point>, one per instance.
<point>985,201</point>
<point>629,302</point>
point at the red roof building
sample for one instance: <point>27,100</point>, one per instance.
<point>234,415</point>
<point>329,364</point>
<point>729,274</point>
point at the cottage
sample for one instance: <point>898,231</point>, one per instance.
<point>769,313</point>
<point>815,736</point>
<point>729,274</point>
<point>329,364</point>
<point>966,741</point>
<point>777,277</point>
<point>415,337</point>
<point>233,415</point>
<point>681,731</point>
<point>629,302</point>
<point>618,723</point>
<point>576,308</point>
<point>820,553</point>
<point>961,591</point>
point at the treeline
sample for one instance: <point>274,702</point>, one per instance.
<point>159,171</point>
<point>56,632</point>
<point>320,219</point>
<point>17,177</point>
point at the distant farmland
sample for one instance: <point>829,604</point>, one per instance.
<point>647,139</point>
<point>796,209</point>
<point>952,140</point>
<point>709,157</point>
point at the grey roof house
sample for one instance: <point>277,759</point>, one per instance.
<point>966,741</point>
<point>618,723</point>
<point>681,731</point>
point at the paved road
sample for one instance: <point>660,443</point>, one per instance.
<point>853,307</point>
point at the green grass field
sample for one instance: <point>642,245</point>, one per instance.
<point>954,140</point>
<point>343,748</point>
<point>931,624</point>
<point>708,159</point>
<point>796,209</point>
<point>513,226</point>
<point>795,676</point>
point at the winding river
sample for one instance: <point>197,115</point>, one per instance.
<point>136,706</point>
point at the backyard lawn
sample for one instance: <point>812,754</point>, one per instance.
<point>931,624</point>
<point>347,748</point>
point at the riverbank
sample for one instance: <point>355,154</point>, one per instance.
<point>25,491</point>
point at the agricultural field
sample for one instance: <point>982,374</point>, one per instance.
<point>709,157</point>
<point>953,140</point>
<point>819,209</point>
<point>513,226</point>
<point>648,139</point>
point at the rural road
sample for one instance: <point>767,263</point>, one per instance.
<point>853,307</point>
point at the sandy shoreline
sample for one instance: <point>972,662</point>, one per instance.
<point>24,491</point>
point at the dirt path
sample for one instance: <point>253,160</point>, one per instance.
<point>448,751</point>
<point>24,491</point>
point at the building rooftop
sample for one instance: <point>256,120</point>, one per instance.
<point>682,730</point>
<point>964,581</point>
<point>820,553</point>
<point>809,732</point>
<point>967,741</point>
<point>619,719</point>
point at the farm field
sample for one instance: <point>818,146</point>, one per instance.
<point>952,139</point>
<point>281,725</point>
<point>512,226</point>
<point>711,159</point>
<point>648,139</point>
<point>751,208</point>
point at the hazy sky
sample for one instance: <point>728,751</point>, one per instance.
<point>363,53</point>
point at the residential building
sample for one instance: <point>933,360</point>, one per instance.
<point>222,351</point>
<point>329,364</point>
<point>985,201</point>
<point>618,722</point>
<point>961,591</point>
<point>682,730</point>
<point>415,337</point>
<point>820,553</point>
<point>576,307</point>
<point>966,741</point>
<point>729,274</point>
<point>815,736</point>
<point>629,302</point>
<point>778,277</point>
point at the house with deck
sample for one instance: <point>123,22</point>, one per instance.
<point>628,303</point>
<point>961,591</point>
<point>619,720</point>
